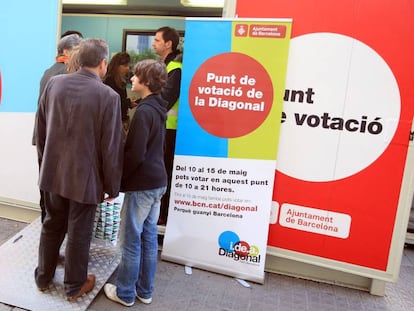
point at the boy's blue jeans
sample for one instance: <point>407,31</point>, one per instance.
<point>139,244</point>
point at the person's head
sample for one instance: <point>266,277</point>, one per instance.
<point>150,76</point>
<point>73,63</point>
<point>118,68</point>
<point>119,64</point>
<point>93,54</point>
<point>166,41</point>
<point>67,43</point>
<point>71,32</point>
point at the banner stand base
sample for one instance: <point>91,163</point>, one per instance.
<point>325,275</point>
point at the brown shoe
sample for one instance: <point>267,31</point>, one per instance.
<point>42,289</point>
<point>86,288</point>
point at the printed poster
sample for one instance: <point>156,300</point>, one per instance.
<point>226,147</point>
<point>348,110</point>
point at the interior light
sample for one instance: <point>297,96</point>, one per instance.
<point>203,3</point>
<point>97,2</point>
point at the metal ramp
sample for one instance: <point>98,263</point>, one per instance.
<point>18,259</point>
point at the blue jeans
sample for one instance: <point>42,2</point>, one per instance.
<point>139,244</point>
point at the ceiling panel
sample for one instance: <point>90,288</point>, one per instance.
<point>145,7</point>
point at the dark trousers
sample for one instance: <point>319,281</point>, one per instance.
<point>169,162</point>
<point>78,218</point>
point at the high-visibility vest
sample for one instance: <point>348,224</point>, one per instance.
<point>172,114</point>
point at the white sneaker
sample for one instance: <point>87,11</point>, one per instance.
<point>147,301</point>
<point>110,292</point>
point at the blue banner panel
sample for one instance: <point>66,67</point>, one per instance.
<point>28,46</point>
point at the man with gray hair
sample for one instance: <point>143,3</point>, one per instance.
<point>79,147</point>
<point>65,46</point>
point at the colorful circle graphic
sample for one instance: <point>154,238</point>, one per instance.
<point>231,94</point>
<point>242,248</point>
<point>227,240</point>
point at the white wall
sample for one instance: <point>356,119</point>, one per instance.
<point>29,36</point>
<point>18,160</point>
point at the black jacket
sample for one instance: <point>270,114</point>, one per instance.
<point>144,167</point>
<point>171,91</point>
<point>125,102</point>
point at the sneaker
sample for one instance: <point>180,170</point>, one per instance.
<point>110,292</point>
<point>147,301</point>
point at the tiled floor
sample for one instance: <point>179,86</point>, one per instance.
<point>177,291</point>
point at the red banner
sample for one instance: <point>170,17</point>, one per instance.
<point>347,119</point>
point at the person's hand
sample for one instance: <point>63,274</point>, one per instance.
<point>133,103</point>
<point>107,198</point>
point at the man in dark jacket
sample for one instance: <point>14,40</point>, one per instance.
<point>165,44</point>
<point>65,46</point>
<point>79,144</point>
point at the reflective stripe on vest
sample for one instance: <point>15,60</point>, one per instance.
<point>172,114</point>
